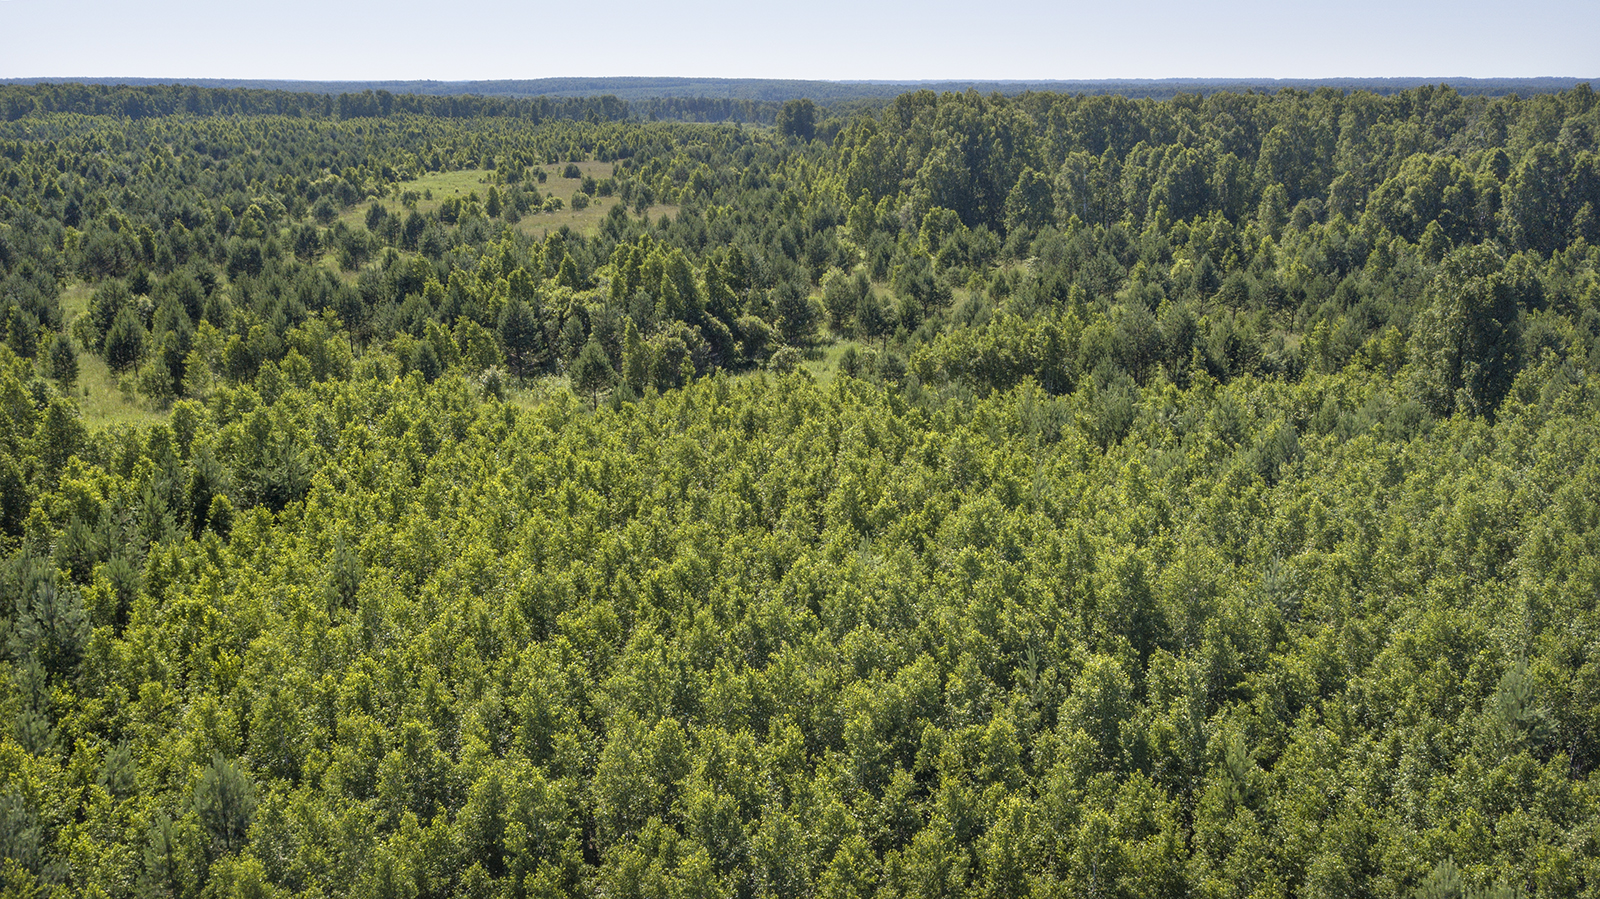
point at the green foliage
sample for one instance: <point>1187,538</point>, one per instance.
<point>125,341</point>
<point>591,372</point>
<point>1207,509</point>
<point>225,802</point>
<point>63,361</point>
<point>1469,339</point>
<point>798,118</point>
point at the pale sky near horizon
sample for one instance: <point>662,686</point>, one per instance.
<point>825,40</point>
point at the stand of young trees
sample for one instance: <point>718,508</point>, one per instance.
<point>1203,504</point>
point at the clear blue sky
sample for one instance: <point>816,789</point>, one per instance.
<point>828,39</point>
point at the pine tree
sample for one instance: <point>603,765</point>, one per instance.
<point>63,361</point>
<point>592,372</point>
<point>125,341</point>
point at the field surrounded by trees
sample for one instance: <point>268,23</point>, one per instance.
<point>942,495</point>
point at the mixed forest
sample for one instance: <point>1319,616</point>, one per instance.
<point>954,495</point>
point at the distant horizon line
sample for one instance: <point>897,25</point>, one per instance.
<point>677,88</point>
<point>1180,79</point>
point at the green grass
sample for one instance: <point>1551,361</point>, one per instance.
<point>436,187</point>
<point>330,261</point>
<point>440,185</point>
<point>74,302</point>
<point>102,402</point>
<point>100,399</point>
<point>536,391</point>
<point>822,361</point>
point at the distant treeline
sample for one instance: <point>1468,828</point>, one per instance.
<point>157,100</point>
<point>755,101</point>
<point>770,90</point>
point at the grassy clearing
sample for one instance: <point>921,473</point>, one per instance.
<point>330,261</point>
<point>434,187</point>
<point>822,362</point>
<point>74,302</point>
<point>100,399</point>
<point>437,187</point>
<point>536,391</point>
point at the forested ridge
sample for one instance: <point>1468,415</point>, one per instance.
<point>964,495</point>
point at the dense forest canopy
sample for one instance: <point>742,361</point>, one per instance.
<point>958,495</point>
